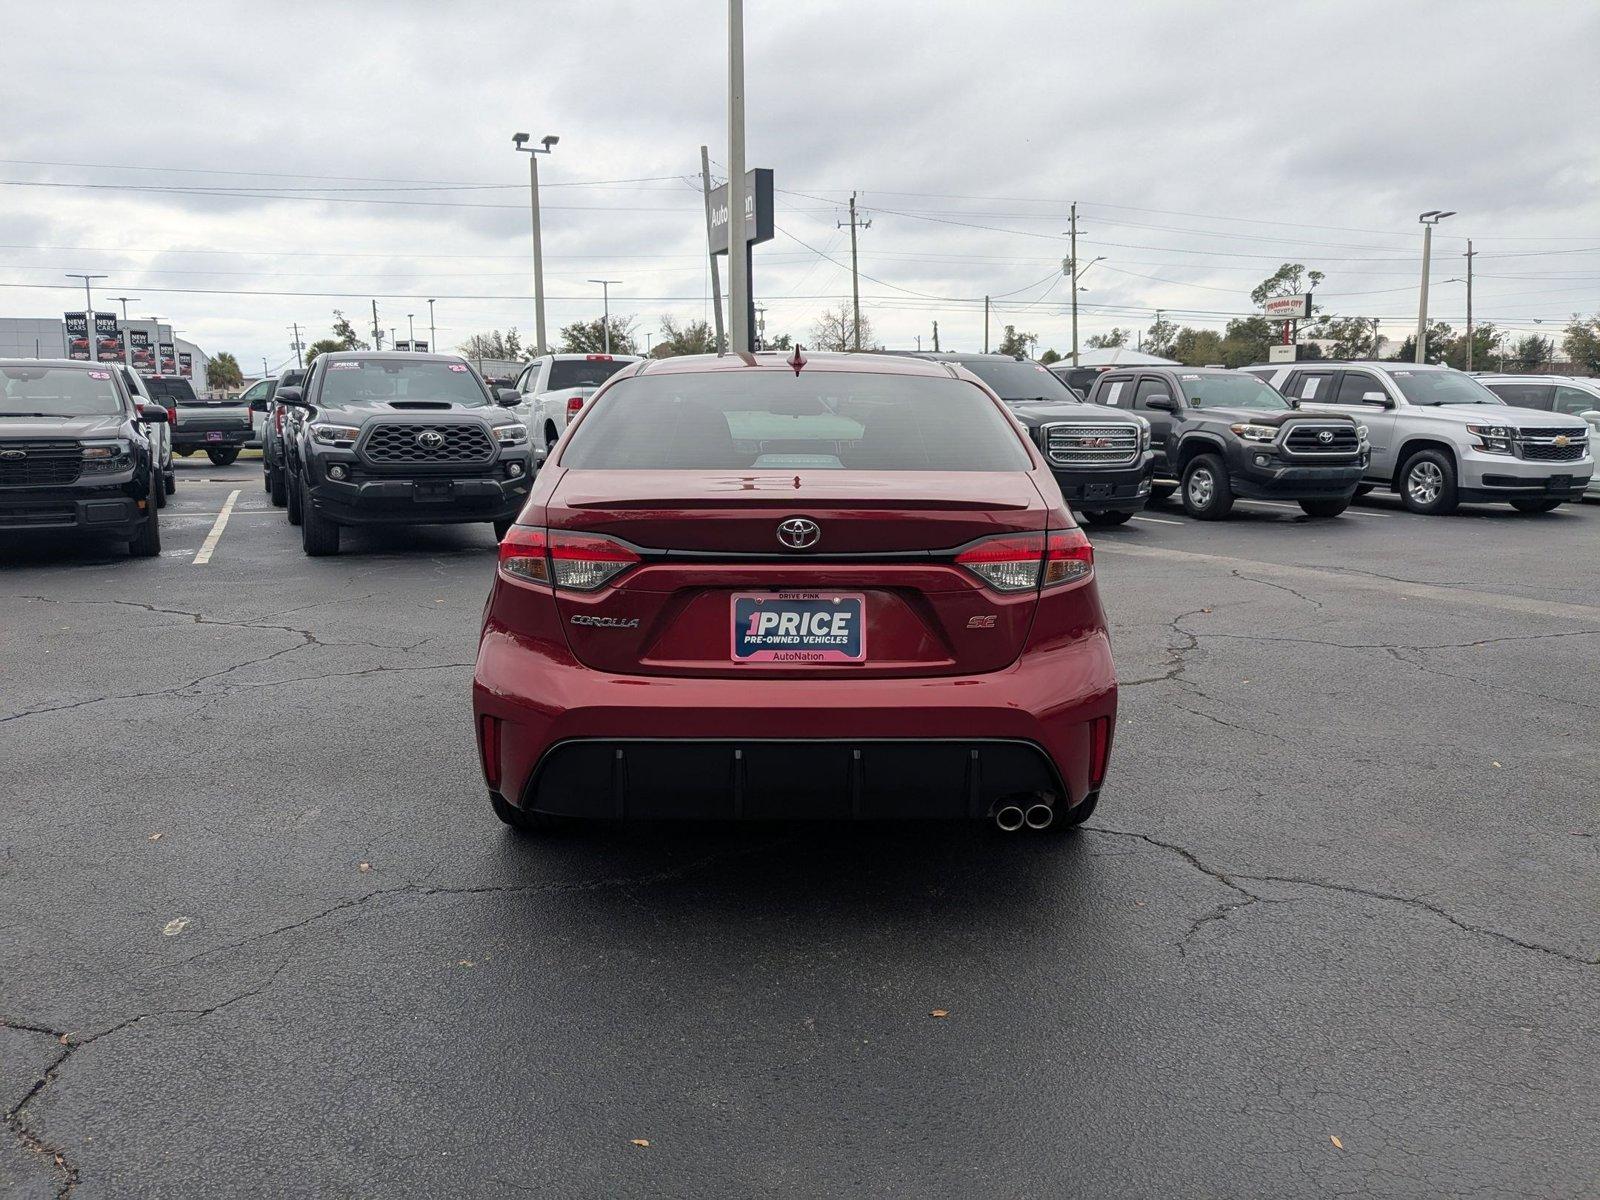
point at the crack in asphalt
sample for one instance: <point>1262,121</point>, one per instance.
<point>1235,883</point>
<point>1282,587</point>
<point>1177,656</point>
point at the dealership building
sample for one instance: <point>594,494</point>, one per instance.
<point>47,337</point>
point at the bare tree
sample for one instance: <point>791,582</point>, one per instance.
<point>835,329</point>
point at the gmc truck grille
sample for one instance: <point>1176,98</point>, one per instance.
<point>1322,439</point>
<point>44,464</point>
<point>1091,445</point>
<point>1542,445</point>
<point>396,444</point>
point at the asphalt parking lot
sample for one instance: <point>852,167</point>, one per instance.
<point>1333,929</point>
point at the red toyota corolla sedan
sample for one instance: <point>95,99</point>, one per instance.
<point>829,587</point>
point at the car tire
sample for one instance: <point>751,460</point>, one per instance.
<point>169,480</point>
<point>147,542</point>
<point>161,491</point>
<point>266,477</point>
<point>319,537</point>
<point>1324,508</point>
<point>522,820</point>
<point>291,498</point>
<point>1529,504</point>
<point>1160,493</point>
<point>1207,495</point>
<point>277,489</point>
<point>1428,484</point>
<point>502,527</point>
<point>1101,516</point>
<point>223,458</point>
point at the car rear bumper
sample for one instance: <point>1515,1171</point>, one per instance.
<point>570,740</point>
<point>210,439</point>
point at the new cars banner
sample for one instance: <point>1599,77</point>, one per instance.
<point>107,338</point>
<point>185,364</point>
<point>169,361</point>
<point>78,336</point>
<point>144,359</point>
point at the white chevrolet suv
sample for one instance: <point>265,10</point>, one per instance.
<point>555,387</point>
<point>1440,438</point>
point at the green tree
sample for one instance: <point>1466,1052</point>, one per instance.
<point>222,371</point>
<point>1161,335</point>
<point>696,337</point>
<point>589,337</point>
<point>345,334</point>
<point>1247,340</point>
<point>494,344</point>
<point>1485,338</point>
<point>782,342</point>
<point>1439,338</point>
<point>1582,343</point>
<point>1351,336</point>
<point>1114,340</point>
<point>322,346</point>
<point>1015,344</point>
<point>1049,356</point>
<point>1532,352</point>
<point>1288,280</point>
<point>1197,347</point>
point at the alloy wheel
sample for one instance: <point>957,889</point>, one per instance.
<point>1425,483</point>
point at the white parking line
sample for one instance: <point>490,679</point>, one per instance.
<point>1297,509</point>
<point>203,555</point>
<point>1157,521</point>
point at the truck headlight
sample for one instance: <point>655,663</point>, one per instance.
<point>334,435</point>
<point>1256,433</point>
<point>113,454</point>
<point>1492,439</point>
<point>1144,435</point>
<point>1361,432</point>
<point>511,435</point>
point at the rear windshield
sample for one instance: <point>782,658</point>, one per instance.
<point>1019,382</point>
<point>347,384</point>
<point>1230,391</point>
<point>57,392</point>
<point>775,420</point>
<point>579,373</point>
<point>169,389</point>
<point>1442,387</point>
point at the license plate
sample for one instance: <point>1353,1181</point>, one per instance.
<point>431,491</point>
<point>214,436</point>
<point>799,627</point>
<point>1558,483</point>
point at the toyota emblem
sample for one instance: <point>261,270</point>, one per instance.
<point>430,439</point>
<point>799,533</point>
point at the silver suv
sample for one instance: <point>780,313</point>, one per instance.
<point>1440,438</point>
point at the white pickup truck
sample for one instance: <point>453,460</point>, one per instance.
<point>556,386</point>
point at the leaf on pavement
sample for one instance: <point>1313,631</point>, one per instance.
<point>175,926</point>
<point>155,837</point>
<point>940,1012</point>
<point>644,1142</point>
<point>364,868</point>
<point>1336,1141</point>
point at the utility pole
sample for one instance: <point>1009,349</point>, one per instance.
<point>716,279</point>
<point>738,248</point>
<point>1375,342</point>
<point>936,337</point>
<point>1469,256</point>
<point>377,334</point>
<point>433,338</point>
<point>761,325</point>
<point>919,343</point>
<point>1428,219</point>
<point>520,141</point>
<point>392,338</point>
<point>986,324</point>
<point>298,360</point>
<point>1072,259</point>
<point>605,287</point>
<point>855,271</point>
<point>265,371</point>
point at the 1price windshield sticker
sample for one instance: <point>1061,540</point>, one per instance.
<point>459,368</point>
<point>99,374</point>
<point>344,366</point>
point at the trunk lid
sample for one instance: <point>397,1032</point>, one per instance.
<point>708,537</point>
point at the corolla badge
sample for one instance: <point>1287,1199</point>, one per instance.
<point>799,533</point>
<point>606,622</point>
<point>430,439</point>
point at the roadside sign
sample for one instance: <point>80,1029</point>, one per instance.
<point>1287,308</point>
<point>757,210</point>
<point>1282,353</point>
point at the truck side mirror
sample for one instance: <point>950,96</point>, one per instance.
<point>1162,404</point>
<point>292,396</point>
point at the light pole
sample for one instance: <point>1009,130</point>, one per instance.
<point>520,141</point>
<point>155,323</point>
<point>88,315</point>
<point>605,289</point>
<point>738,263</point>
<point>127,350</point>
<point>1429,219</point>
<point>433,337</point>
<point>411,329</point>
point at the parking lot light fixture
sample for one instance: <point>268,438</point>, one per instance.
<point>520,141</point>
<point>605,324</point>
<point>1428,219</point>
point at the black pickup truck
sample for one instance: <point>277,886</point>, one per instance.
<point>77,453</point>
<point>219,427</point>
<point>1221,435</point>
<point>1101,460</point>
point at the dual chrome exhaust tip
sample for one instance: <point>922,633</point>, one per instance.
<point>1009,818</point>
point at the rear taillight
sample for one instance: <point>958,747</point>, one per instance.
<point>574,404</point>
<point>277,417</point>
<point>489,748</point>
<point>522,554</point>
<point>172,416</point>
<point>578,561</point>
<point>1068,557</point>
<point>1099,750</point>
<point>1020,561</point>
<point>598,357</point>
<point>1007,564</point>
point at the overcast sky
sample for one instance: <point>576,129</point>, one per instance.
<point>1204,143</point>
